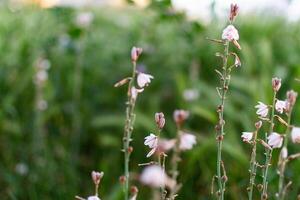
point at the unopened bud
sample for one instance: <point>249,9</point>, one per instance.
<point>122,179</point>
<point>224,178</point>
<point>234,9</point>
<point>135,53</point>
<point>122,82</point>
<point>180,116</point>
<point>291,97</point>
<point>134,190</point>
<point>258,124</point>
<point>264,196</point>
<point>130,149</point>
<point>220,138</point>
<point>259,187</point>
<point>276,84</point>
<point>160,120</point>
<point>96,176</point>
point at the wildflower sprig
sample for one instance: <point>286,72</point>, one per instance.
<point>142,81</point>
<point>155,174</point>
<point>96,177</point>
<point>230,35</point>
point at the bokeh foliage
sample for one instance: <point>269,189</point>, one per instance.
<point>176,52</point>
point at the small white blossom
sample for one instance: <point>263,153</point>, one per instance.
<point>144,79</point>
<point>134,92</point>
<point>93,198</point>
<point>165,145</point>
<point>275,140</point>
<point>230,33</point>
<point>280,106</point>
<point>247,136</point>
<point>84,19</point>
<point>284,153</point>
<point>296,134</point>
<point>153,176</point>
<point>152,142</point>
<point>262,109</point>
<point>187,141</point>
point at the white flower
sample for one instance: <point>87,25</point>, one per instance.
<point>152,142</point>
<point>262,109</point>
<point>187,141</point>
<point>93,198</point>
<point>166,145</point>
<point>230,33</point>
<point>134,92</point>
<point>84,19</point>
<point>144,79</point>
<point>247,136</point>
<point>284,153</point>
<point>296,134</point>
<point>280,106</point>
<point>153,176</point>
<point>275,140</point>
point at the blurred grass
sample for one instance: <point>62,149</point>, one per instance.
<point>175,52</point>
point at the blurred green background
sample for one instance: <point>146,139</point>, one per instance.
<point>48,153</point>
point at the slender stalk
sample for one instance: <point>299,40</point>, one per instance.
<point>130,117</point>
<point>174,161</point>
<point>253,167</point>
<point>281,193</point>
<point>220,134</point>
<point>268,153</point>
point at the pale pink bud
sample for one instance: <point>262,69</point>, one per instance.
<point>291,99</point>
<point>296,134</point>
<point>96,176</point>
<point>135,53</point>
<point>234,9</point>
<point>275,140</point>
<point>276,84</point>
<point>258,124</point>
<point>160,120</point>
<point>180,116</point>
<point>230,33</point>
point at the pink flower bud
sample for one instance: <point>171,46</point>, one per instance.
<point>258,124</point>
<point>180,116</point>
<point>160,120</point>
<point>96,176</point>
<point>291,99</point>
<point>276,84</point>
<point>234,9</point>
<point>135,53</point>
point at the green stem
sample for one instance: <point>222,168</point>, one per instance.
<point>130,117</point>
<point>282,167</point>
<point>253,167</point>
<point>268,153</point>
<point>225,83</point>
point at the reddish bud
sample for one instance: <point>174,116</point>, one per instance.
<point>234,9</point>
<point>134,190</point>
<point>160,120</point>
<point>96,176</point>
<point>180,116</point>
<point>122,179</point>
<point>130,149</point>
<point>276,84</point>
<point>258,124</point>
<point>135,53</point>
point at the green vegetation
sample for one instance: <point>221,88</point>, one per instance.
<point>60,155</point>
